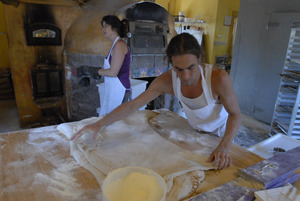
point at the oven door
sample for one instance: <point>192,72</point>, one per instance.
<point>147,37</point>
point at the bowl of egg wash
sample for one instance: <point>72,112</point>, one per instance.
<point>133,184</point>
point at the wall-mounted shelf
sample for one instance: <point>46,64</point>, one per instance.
<point>286,117</point>
<point>199,22</point>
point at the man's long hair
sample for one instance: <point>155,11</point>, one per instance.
<point>183,44</point>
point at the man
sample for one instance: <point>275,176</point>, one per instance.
<point>205,92</point>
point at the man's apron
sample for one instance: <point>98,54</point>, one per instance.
<point>210,118</point>
<point>113,89</point>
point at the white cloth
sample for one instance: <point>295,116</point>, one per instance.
<point>132,142</point>
<point>211,118</point>
<point>114,90</point>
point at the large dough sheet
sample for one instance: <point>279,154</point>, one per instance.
<point>132,142</point>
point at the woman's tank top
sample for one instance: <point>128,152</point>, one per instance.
<point>124,72</point>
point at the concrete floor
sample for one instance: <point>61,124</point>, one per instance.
<point>250,133</point>
<point>9,117</point>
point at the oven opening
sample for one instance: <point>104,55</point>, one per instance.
<point>43,34</point>
<point>47,82</point>
<point>149,41</point>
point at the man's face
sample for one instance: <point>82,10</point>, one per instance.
<point>186,67</point>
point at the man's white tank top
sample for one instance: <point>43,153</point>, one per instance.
<point>212,116</point>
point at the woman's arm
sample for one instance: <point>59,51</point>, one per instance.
<point>118,54</point>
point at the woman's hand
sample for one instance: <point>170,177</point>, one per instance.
<point>221,158</point>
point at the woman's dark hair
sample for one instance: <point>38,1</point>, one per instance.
<point>183,44</point>
<point>121,27</point>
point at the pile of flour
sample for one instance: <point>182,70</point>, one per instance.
<point>134,187</point>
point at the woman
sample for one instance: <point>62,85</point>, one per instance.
<point>116,65</point>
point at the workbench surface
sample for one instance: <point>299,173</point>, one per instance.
<point>36,164</point>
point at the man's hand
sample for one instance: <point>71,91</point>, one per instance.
<point>221,158</point>
<point>94,129</point>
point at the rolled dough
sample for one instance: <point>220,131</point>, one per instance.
<point>132,142</point>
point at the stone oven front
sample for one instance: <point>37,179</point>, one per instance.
<point>151,27</point>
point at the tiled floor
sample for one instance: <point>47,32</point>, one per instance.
<point>250,133</point>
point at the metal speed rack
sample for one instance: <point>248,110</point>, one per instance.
<point>286,116</point>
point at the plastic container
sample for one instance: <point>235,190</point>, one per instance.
<point>181,16</point>
<point>189,20</point>
<point>124,172</point>
<point>138,87</point>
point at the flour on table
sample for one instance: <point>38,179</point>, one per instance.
<point>2,143</point>
<point>179,136</point>
<point>60,181</point>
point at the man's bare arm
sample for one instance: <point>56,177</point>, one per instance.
<point>222,86</point>
<point>162,84</point>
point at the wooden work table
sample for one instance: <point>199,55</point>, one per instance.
<point>36,164</point>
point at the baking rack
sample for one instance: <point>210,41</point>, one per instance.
<point>286,116</point>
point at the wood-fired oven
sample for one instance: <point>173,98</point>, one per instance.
<point>149,33</point>
<point>148,27</point>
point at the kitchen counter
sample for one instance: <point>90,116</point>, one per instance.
<point>36,164</point>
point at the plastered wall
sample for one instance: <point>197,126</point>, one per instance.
<point>4,59</point>
<point>213,12</point>
<point>222,37</point>
<point>259,54</point>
